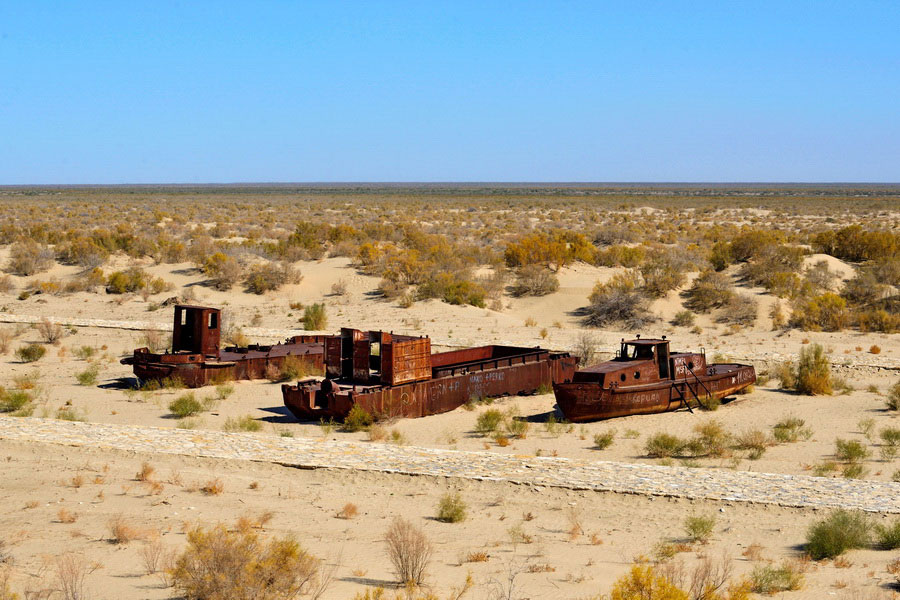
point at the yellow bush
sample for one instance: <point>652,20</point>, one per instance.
<point>643,583</point>
<point>223,565</point>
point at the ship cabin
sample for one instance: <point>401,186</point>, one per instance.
<point>643,361</point>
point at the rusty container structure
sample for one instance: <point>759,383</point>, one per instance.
<point>196,359</point>
<point>397,376</point>
<point>645,377</point>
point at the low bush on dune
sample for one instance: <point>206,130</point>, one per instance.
<point>265,277</point>
<point>811,375</point>
<point>534,280</point>
<point>314,317</point>
<point>619,301</point>
<point>27,258</point>
<point>185,405</point>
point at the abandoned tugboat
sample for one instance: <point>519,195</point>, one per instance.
<point>196,360</point>
<point>397,376</point>
<point>645,377</point>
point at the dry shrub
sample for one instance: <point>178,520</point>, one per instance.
<point>146,472</point>
<point>213,487</point>
<point>339,288</point>
<point>51,332</point>
<point>222,270</point>
<point>585,348</point>
<point>348,511</point>
<point>618,301</point>
<point>153,554</point>
<point>6,338</point>
<point>409,551</point>
<point>71,570</point>
<point>222,565</point>
<point>769,579</point>
<point>477,556</point>
<point>27,258</point>
<point>66,516</point>
<point>6,284</point>
<point>155,341</point>
<point>534,280</point>
<point>121,531</point>
<point>30,353</point>
<point>265,277</point>
<point>740,309</point>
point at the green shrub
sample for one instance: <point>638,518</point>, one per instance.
<point>314,317</point>
<point>88,376</point>
<point>219,564</point>
<point>850,451</point>
<point>813,371</point>
<point>292,368</point>
<point>84,352</point>
<point>754,441</point>
<point>890,436</point>
<point>451,508</point>
<point>664,445</point>
<point>245,423</point>
<point>842,530</point>
<point>30,353</point>
<point>888,536</point>
<point>185,405</point>
<point>769,579</point>
<point>358,419</point>
<point>488,421</point>
<point>712,438</point>
<point>699,528</point>
<point>223,271</point>
<point>17,402</point>
<point>683,318</point>
<point>604,440</point>
<point>517,427</point>
<point>133,280</point>
<point>892,399</point>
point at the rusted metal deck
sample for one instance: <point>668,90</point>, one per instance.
<point>196,360</point>
<point>397,376</point>
<point>646,378</point>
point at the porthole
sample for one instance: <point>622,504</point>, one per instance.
<point>622,376</point>
<point>637,374</point>
<point>691,366</point>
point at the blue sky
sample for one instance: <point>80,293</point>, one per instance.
<point>132,92</point>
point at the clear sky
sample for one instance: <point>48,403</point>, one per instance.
<point>142,92</point>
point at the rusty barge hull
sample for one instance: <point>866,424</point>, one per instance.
<point>445,382</point>
<point>252,362</point>
<point>645,377</point>
<point>196,360</point>
<point>581,402</point>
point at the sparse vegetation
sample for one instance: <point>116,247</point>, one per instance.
<point>451,508</point>
<point>30,353</point>
<point>408,550</point>
<point>185,405</point>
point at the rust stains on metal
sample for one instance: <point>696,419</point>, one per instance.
<point>397,376</point>
<point>646,378</point>
<point>196,359</point>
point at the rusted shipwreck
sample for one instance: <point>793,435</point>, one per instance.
<point>645,377</point>
<point>196,360</point>
<point>397,376</point>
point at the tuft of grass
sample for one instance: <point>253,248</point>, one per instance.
<point>451,508</point>
<point>88,377</point>
<point>699,528</point>
<point>769,579</point>
<point>790,430</point>
<point>663,445</point>
<point>840,531</point>
<point>348,511</point>
<point>888,536</point>
<point>146,472</point>
<point>604,440</point>
<point>185,405</point>
<point>245,423</point>
<point>213,487</point>
<point>892,399</point>
<point>488,421</point>
<point>121,531</point>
